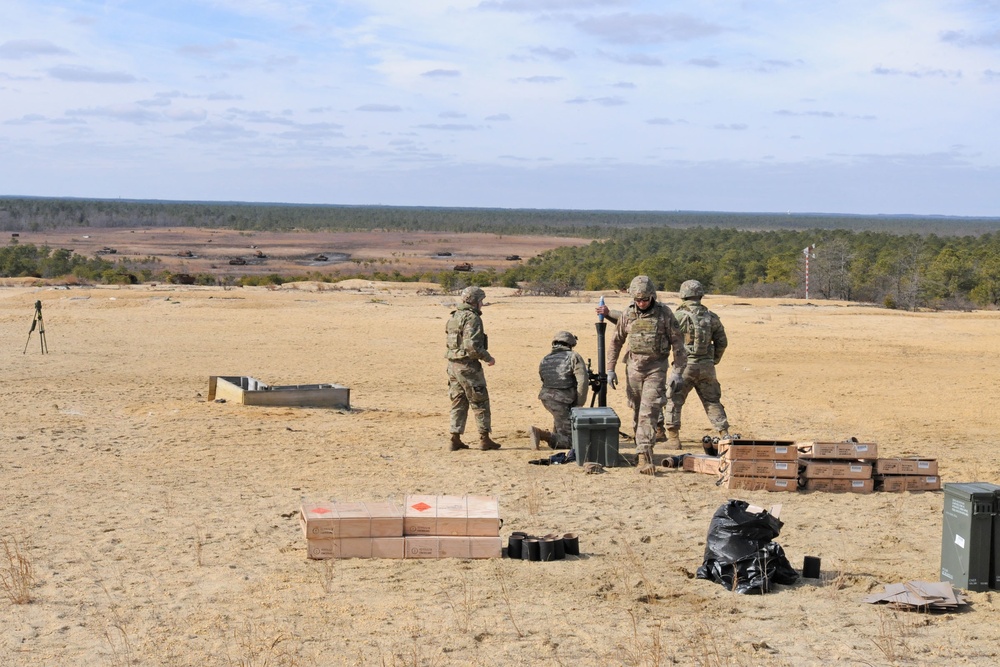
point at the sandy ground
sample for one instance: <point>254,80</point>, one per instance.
<point>195,250</point>
<point>162,528</point>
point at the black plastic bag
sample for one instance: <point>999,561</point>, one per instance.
<point>740,554</point>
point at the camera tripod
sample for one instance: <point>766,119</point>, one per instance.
<point>37,321</point>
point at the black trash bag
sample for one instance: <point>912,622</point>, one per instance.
<point>739,553</point>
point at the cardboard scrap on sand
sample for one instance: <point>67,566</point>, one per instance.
<point>919,596</point>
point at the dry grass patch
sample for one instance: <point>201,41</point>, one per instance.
<point>17,575</point>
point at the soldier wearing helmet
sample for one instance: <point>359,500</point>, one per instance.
<point>705,341</point>
<point>564,385</point>
<point>467,348</point>
<point>653,333</point>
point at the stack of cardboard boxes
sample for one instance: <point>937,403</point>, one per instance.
<point>840,467</point>
<point>907,474</point>
<point>788,465</point>
<point>452,527</point>
<point>426,527</point>
<point>759,465</point>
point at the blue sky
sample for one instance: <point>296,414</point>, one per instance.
<point>838,106</point>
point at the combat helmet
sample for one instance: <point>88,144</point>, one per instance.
<point>473,295</point>
<point>642,287</point>
<point>692,289</point>
<point>564,338</point>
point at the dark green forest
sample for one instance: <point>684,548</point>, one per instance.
<point>894,261</point>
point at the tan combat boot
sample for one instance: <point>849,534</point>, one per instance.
<point>485,442</point>
<point>539,435</point>
<point>661,435</point>
<point>456,442</point>
<point>644,464</point>
<point>674,438</point>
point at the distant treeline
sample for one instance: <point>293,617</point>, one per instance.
<point>895,261</point>
<point>38,214</point>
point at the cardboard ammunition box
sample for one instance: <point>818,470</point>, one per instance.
<point>436,546</point>
<point>762,450</point>
<point>762,484</point>
<point>702,463</point>
<point>420,515</point>
<point>322,549</point>
<point>906,466</point>
<point>740,468</point>
<point>841,485</point>
<point>452,516</point>
<point>477,516</point>
<point>483,516</point>
<point>836,469</point>
<point>837,450</point>
<point>318,520</point>
<point>353,520</point>
<point>386,519</point>
<point>899,483</point>
<point>355,547</point>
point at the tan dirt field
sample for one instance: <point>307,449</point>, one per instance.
<point>162,527</point>
<point>297,253</point>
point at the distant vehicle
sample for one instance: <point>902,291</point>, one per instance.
<point>260,255</point>
<point>106,251</point>
<point>237,261</point>
<point>464,266</point>
<point>513,258</point>
<point>185,253</point>
<point>321,258</point>
<point>182,279</point>
<point>14,235</point>
<point>444,253</point>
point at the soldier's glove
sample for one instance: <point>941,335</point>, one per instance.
<point>612,379</point>
<point>676,381</point>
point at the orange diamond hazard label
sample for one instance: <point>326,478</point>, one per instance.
<point>421,507</point>
<point>320,510</point>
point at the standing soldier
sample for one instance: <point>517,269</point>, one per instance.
<point>653,332</point>
<point>564,385</point>
<point>705,341</point>
<point>467,346</point>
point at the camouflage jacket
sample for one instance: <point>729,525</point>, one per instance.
<point>564,376</point>
<point>652,336</point>
<point>704,336</point>
<point>466,339</point>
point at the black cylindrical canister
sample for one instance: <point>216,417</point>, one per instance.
<point>514,544</point>
<point>810,567</point>
<point>571,544</point>
<point>547,549</point>
<point>530,549</point>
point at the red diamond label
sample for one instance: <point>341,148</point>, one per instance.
<point>421,507</point>
<point>320,510</point>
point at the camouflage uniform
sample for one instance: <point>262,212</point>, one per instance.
<point>705,341</point>
<point>467,346</point>
<point>565,382</point>
<point>654,333</point>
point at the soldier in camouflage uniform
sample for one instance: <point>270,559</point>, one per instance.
<point>705,341</point>
<point>653,332</point>
<point>467,347</point>
<point>564,385</point>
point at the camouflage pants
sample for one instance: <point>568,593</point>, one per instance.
<point>559,402</point>
<point>646,394</point>
<point>467,388</point>
<point>700,376</point>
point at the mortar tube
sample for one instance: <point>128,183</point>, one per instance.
<point>602,374</point>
